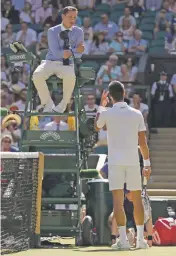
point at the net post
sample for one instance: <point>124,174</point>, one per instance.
<point>36,239</point>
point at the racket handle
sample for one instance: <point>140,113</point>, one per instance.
<point>145,181</point>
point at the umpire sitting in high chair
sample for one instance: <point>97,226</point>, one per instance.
<point>59,60</point>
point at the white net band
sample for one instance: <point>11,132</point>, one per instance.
<point>18,155</point>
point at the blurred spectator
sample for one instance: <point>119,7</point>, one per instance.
<point>4,23</point>
<point>87,43</point>
<point>10,13</point>
<point>15,80</point>
<point>10,126</point>
<point>137,104</point>
<point>162,21</point>
<point>172,6</point>
<point>25,73</point>
<point>71,119</point>
<point>63,3</point>
<point>153,5</point>
<point>45,31</point>
<point>87,28</point>
<point>127,29</point>
<point>56,125</point>
<point>42,45</point>
<point>166,6</point>
<point>162,94</point>
<point>36,4</point>
<point>108,27</point>
<point>85,4</point>
<point>6,144</point>
<point>43,12</point>
<point>127,15</point>
<point>140,3</point>
<point>173,84</point>
<point>54,18</point>
<point>170,42</point>
<point>91,106</point>
<point>136,9</point>
<point>22,96</point>
<point>8,37</point>
<point>4,101</point>
<point>26,35</point>
<point>122,1</point>
<point>27,15</point>
<point>143,108</point>
<point>117,45</point>
<point>5,71</point>
<point>124,74</point>
<point>132,69</point>
<point>137,45</point>
<point>99,44</point>
<point>8,94</point>
<point>108,72</point>
<point>18,4</point>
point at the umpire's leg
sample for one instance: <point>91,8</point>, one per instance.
<point>67,73</point>
<point>40,75</point>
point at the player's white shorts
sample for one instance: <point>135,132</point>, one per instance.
<point>118,175</point>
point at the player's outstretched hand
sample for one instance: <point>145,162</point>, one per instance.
<point>147,172</point>
<point>104,99</point>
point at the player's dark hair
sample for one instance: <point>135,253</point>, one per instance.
<point>68,9</point>
<point>116,90</point>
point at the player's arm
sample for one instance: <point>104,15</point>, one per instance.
<point>100,120</point>
<point>142,140</point>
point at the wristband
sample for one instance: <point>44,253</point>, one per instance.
<point>101,109</point>
<point>146,162</point>
<point>149,238</point>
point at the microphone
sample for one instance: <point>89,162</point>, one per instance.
<point>65,38</point>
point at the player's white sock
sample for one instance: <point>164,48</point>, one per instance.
<point>140,232</point>
<point>122,234</point>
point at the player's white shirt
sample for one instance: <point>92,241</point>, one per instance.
<point>123,124</point>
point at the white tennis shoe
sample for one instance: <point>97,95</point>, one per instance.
<point>121,246</point>
<point>142,244</point>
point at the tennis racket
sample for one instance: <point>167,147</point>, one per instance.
<point>146,201</point>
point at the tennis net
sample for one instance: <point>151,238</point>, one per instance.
<point>21,185</point>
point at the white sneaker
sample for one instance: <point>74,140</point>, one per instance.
<point>48,107</point>
<point>121,246</point>
<point>142,244</point>
<point>60,108</point>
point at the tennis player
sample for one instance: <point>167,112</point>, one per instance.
<point>125,129</point>
<point>53,65</point>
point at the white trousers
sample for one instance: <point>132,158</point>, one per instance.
<point>118,175</point>
<point>48,68</point>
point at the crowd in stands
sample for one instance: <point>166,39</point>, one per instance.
<point>111,27</point>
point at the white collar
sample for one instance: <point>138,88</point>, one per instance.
<point>121,104</point>
<point>64,28</point>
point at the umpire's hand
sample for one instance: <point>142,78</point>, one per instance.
<point>80,48</point>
